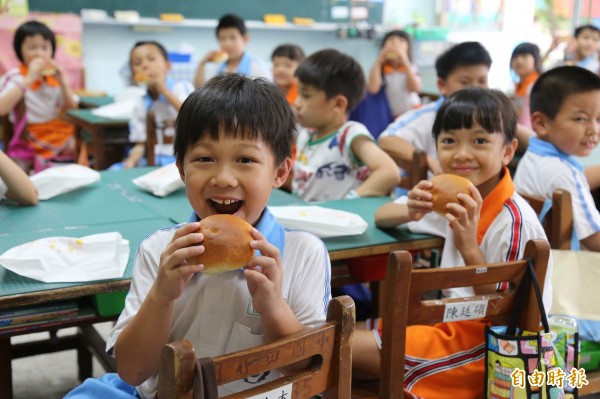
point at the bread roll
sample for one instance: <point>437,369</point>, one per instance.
<point>226,242</point>
<point>140,78</point>
<point>220,57</point>
<point>47,70</point>
<point>445,189</point>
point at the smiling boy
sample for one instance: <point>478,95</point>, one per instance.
<point>232,147</point>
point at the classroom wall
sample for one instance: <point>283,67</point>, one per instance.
<point>106,47</point>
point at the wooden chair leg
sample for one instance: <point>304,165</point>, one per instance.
<point>84,359</point>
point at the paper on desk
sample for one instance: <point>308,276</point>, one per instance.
<point>160,182</point>
<point>68,259</point>
<point>62,179</point>
<point>318,220</point>
<point>118,110</point>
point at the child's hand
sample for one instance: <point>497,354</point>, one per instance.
<point>60,72</point>
<point>419,200</point>
<point>33,70</point>
<point>464,218</point>
<point>264,275</point>
<point>434,165</point>
<point>174,271</point>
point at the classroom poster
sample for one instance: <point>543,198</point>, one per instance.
<point>68,30</point>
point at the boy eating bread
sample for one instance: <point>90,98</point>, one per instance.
<point>233,146</point>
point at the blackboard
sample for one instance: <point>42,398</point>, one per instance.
<point>319,10</point>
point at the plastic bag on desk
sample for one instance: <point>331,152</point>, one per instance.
<point>68,259</point>
<point>324,222</point>
<point>162,181</point>
<point>61,179</point>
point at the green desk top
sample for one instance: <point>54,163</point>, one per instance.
<point>98,101</point>
<point>12,283</point>
<point>87,116</point>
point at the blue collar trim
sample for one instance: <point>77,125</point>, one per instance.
<point>243,68</point>
<point>546,149</point>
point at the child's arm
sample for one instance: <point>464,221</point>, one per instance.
<point>592,174</point>
<point>135,154</point>
<point>592,243</point>
<point>162,88</point>
<point>463,219</point>
<point>19,187</point>
<point>413,82</point>
<point>138,347</point>
<point>199,78</point>
<point>264,275</point>
<point>418,205</point>
<point>384,172</point>
<point>11,97</point>
<point>401,151</point>
<point>68,95</point>
<point>375,76</point>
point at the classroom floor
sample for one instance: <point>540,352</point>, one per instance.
<point>52,376</point>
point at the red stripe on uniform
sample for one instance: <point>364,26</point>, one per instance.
<point>515,243</point>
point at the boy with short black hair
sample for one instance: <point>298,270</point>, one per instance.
<point>232,57</point>
<point>233,146</point>
<point>463,65</point>
<point>565,113</point>
<point>334,156</point>
<point>583,51</point>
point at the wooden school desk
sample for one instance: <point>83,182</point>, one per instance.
<point>116,204</point>
<point>95,101</point>
<point>109,136</point>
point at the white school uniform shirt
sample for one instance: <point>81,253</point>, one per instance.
<point>415,126</point>
<point>163,111</point>
<point>504,240</point>
<point>540,176</point>
<point>215,312</point>
<point>250,65</point>
<point>41,105</point>
<point>400,99</point>
<point>327,169</point>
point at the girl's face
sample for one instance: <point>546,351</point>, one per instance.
<point>523,65</point>
<point>475,154</point>
<point>395,45</point>
<point>36,47</point>
<point>283,71</point>
<point>147,60</point>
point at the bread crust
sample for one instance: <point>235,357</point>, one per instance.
<point>226,242</point>
<point>445,189</point>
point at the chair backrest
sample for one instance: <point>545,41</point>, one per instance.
<point>152,136</point>
<point>558,223</point>
<point>405,287</point>
<point>415,170</point>
<point>327,345</point>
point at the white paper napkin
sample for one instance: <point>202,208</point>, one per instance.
<point>68,259</point>
<point>62,179</point>
<point>162,181</point>
<point>318,220</point>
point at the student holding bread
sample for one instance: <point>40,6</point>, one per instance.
<point>232,56</point>
<point>150,67</point>
<point>475,207</point>
<point>230,156</point>
<point>34,95</point>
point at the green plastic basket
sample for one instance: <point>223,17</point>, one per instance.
<point>589,357</point>
<point>109,304</point>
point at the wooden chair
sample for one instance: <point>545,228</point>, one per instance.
<point>405,287</point>
<point>152,132</point>
<point>415,170</point>
<point>327,345</point>
<point>558,223</point>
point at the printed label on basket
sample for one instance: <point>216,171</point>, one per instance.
<point>465,310</point>
<point>284,392</point>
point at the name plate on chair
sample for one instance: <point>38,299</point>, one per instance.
<point>284,392</point>
<point>457,311</point>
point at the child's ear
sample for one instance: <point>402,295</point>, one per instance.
<point>341,102</point>
<point>283,170</point>
<point>246,38</point>
<point>441,85</point>
<point>508,152</point>
<point>181,170</point>
<point>539,123</point>
<point>168,66</point>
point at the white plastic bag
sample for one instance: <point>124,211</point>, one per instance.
<point>62,179</point>
<point>68,259</point>
<point>323,222</point>
<point>162,181</point>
